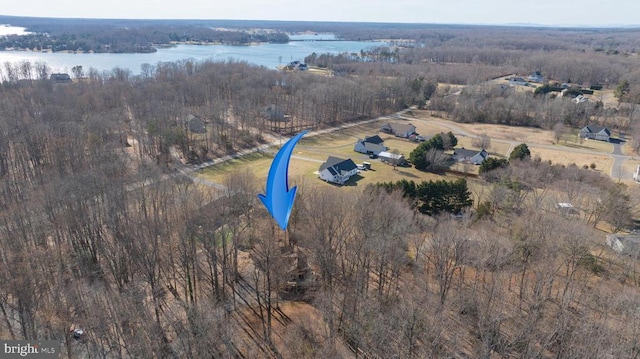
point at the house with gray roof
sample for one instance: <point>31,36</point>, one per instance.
<point>60,78</point>
<point>337,170</point>
<point>518,81</point>
<point>403,130</point>
<point>195,124</point>
<point>370,145</point>
<point>472,156</point>
<point>596,133</point>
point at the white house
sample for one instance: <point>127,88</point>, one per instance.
<point>392,158</point>
<point>370,145</point>
<point>472,156</point>
<point>337,170</point>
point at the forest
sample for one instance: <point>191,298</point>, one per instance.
<point>124,36</point>
<point>106,227</point>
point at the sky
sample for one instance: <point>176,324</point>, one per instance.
<point>501,12</point>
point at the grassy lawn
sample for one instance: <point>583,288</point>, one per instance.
<point>603,162</point>
<point>528,135</point>
<point>311,152</point>
<point>258,162</point>
<point>573,141</point>
<point>302,170</point>
<point>379,172</point>
<point>627,149</point>
<point>628,168</point>
<point>428,128</point>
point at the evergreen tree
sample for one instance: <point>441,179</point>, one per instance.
<point>418,157</point>
<point>441,141</point>
<point>434,197</point>
<point>520,152</point>
<point>492,163</point>
<point>621,89</point>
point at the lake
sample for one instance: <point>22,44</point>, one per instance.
<point>268,55</point>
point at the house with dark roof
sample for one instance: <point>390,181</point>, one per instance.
<point>195,124</point>
<point>337,170</point>
<point>471,156</point>
<point>518,81</point>
<point>403,130</point>
<point>370,145</point>
<point>60,78</point>
<point>297,65</point>
<point>595,133</point>
<point>274,113</point>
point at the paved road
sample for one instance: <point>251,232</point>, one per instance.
<point>618,160</point>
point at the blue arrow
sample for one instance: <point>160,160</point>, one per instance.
<point>278,198</point>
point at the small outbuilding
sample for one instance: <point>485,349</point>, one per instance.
<point>392,158</point>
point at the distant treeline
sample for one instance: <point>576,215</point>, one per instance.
<point>143,37</point>
<point>140,35</point>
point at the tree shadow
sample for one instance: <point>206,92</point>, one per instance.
<point>407,174</point>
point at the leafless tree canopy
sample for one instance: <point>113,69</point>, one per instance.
<point>102,228</point>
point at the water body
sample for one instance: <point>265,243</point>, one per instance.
<point>313,36</point>
<point>268,55</point>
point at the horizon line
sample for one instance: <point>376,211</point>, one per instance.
<point>517,24</point>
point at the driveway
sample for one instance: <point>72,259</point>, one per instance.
<point>617,171</point>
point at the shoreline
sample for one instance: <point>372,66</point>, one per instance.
<point>155,48</point>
